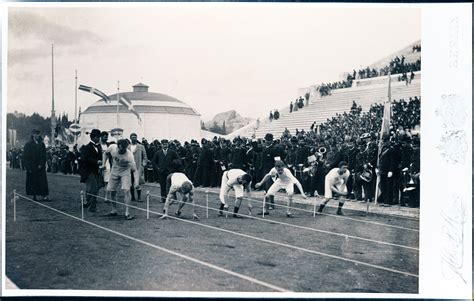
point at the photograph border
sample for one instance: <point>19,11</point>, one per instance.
<point>438,82</point>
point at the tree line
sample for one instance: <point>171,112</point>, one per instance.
<point>24,124</point>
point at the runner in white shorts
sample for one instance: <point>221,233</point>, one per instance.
<point>179,188</point>
<point>284,180</point>
<point>121,174</point>
<point>335,186</point>
<point>239,181</point>
<point>105,142</point>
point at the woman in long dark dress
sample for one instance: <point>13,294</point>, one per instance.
<point>34,158</point>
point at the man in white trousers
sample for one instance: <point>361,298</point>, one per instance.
<point>284,180</point>
<point>123,166</point>
<point>335,186</point>
<point>239,181</point>
<point>179,188</point>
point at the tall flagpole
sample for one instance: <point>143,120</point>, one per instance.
<point>75,110</point>
<point>53,117</point>
<point>382,131</point>
<point>118,97</point>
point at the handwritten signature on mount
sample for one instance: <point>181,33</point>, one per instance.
<point>452,261</point>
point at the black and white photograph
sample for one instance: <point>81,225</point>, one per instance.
<point>221,148</point>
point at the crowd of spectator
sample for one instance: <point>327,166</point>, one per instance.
<point>299,104</point>
<point>59,159</point>
<point>416,48</point>
<point>405,116</point>
<point>350,136</point>
<point>14,157</point>
<point>396,66</point>
<point>274,115</point>
<point>325,88</point>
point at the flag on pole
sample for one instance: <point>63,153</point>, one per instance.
<point>130,107</point>
<point>385,130</point>
<point>387,111</point>
<point>95,92</point>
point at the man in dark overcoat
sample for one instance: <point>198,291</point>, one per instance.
<point>165,162</point>
<point>91,160</point>
<point>34,160</point>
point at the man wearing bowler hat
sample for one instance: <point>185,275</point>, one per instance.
<point>269,153</point>
<point>91,155</point>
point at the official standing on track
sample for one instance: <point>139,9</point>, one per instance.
<point>91,161</point>
<point>284,180</point>
<point>164,162</point>
<point>123,167</point>
<point>141,160</point>
<point>179,188</point>
<point>267,162</point>
<point>239,181</point>
<point>34,161</point>
<point>335,186</point>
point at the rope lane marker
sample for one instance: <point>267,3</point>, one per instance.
<point>338,216</point>
<point>356,262</point>
<point>209,265</point>
<point>314,229</point>
<point>325,214</point>
<point>332,215</point>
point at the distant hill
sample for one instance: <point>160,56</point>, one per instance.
<point>233,121</point>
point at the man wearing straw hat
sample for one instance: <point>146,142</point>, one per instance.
<point>335,186</point>
<point>121,173</point>
<point>179,188</point>
<point>284,180</point>
<point>237,180</point>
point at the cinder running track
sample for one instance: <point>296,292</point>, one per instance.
<point>49,247</point>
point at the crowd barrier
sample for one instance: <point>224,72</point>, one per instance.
<point>281,244</point>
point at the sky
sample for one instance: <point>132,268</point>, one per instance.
<point>215,57</point>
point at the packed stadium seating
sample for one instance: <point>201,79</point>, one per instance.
<point>364,92</point>
<point>320,109</point>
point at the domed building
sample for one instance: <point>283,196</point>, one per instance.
<point>162,116</point>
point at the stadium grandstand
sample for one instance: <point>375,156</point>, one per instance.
<point>364,91</point>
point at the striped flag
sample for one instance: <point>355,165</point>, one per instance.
<point>95,92</point>
<point>385,130</point>
<point>130,107</point>
<point>387,111</point>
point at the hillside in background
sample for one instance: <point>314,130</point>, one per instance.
<point>226,122</point>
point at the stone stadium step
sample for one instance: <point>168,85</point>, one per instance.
<point>321,109</point>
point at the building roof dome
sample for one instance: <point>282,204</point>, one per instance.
<point>143,102</point>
